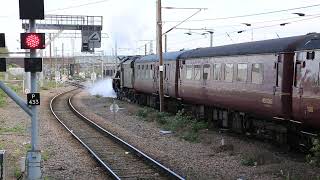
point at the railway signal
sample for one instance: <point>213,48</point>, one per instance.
<point>3,65</point>
<point>2,40</point>
<point>32,40</point>
<point>31,9</point>
<point>33,64</point>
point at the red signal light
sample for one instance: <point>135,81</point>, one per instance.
<point>32,41</point>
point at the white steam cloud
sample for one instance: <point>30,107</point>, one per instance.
<point>103,88</point>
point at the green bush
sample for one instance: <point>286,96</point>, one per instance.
<point>186,126</point>
<point>198,125</point>
<point>191,136</point>
<point>179,121</point>
<point>98,96</point>
<point>162,117</point>
<point>248,160</point>
<point>143,113</point>
<point>17,172</point>
<point>314,157</point>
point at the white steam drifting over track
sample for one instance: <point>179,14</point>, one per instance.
<point>102,88</point>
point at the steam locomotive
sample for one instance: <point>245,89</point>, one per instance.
<point>267,88</point>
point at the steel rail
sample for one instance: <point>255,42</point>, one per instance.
<point>96,157</point>
<point>123,143</point>
<point>134,150</point>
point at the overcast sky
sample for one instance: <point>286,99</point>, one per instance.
<point>129,21</point>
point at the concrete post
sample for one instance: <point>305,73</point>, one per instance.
<point>159,52</point>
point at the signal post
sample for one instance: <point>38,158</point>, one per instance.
<point>32,10</point>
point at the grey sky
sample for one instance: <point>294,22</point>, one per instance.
<point>129,21</point>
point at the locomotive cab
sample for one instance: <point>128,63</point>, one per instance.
<point>116,82</point>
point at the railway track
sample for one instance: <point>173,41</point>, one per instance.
<point>120,159</point>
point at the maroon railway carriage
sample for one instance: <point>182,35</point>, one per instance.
<point>306,85</point>
<point>273,79</point>
<point>257,78</point>
<point>146,82</point>
<point>239,86</point>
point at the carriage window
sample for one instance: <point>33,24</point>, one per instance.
<point>164,71</point>
<point>197,72</point>
<point>217,72</point>
<point>206,72</point>
<point>228,72</point>
<point>279,73</point>
<point>310,55</point>
<point>147,72</point>
<point>242,72</point>
<point>319,75</point>
<point>142,75</point>
<point>299,56</point>
<point>168,71</point>
<point>189,72</point>
<point>151,72</point>
<point>257,73</point>
<point>138,70</point>
<point>297,73</point>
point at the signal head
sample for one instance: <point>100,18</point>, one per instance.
<point>32,40</point>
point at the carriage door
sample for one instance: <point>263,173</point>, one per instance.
<point>166,79</point>
<point>282,100</point>
<point>155,77</point>
<point>298,86</point>
<point>181,76</point>
<point>306,84</point>
<point>122,75</point>
<point>276,100</point>
<point>205,79</point>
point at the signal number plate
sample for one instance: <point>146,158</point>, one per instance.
<point>33,99</point>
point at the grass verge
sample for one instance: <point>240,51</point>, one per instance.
<point>45,155</point>
<point>184,126</point>
<point>16,129</point>
<point>47,85</point>
<point>3,100</point>
<point>3,96</point>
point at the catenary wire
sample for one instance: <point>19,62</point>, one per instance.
<point>248,15</point>
<point>261,27</point>
<point>77,6</point>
